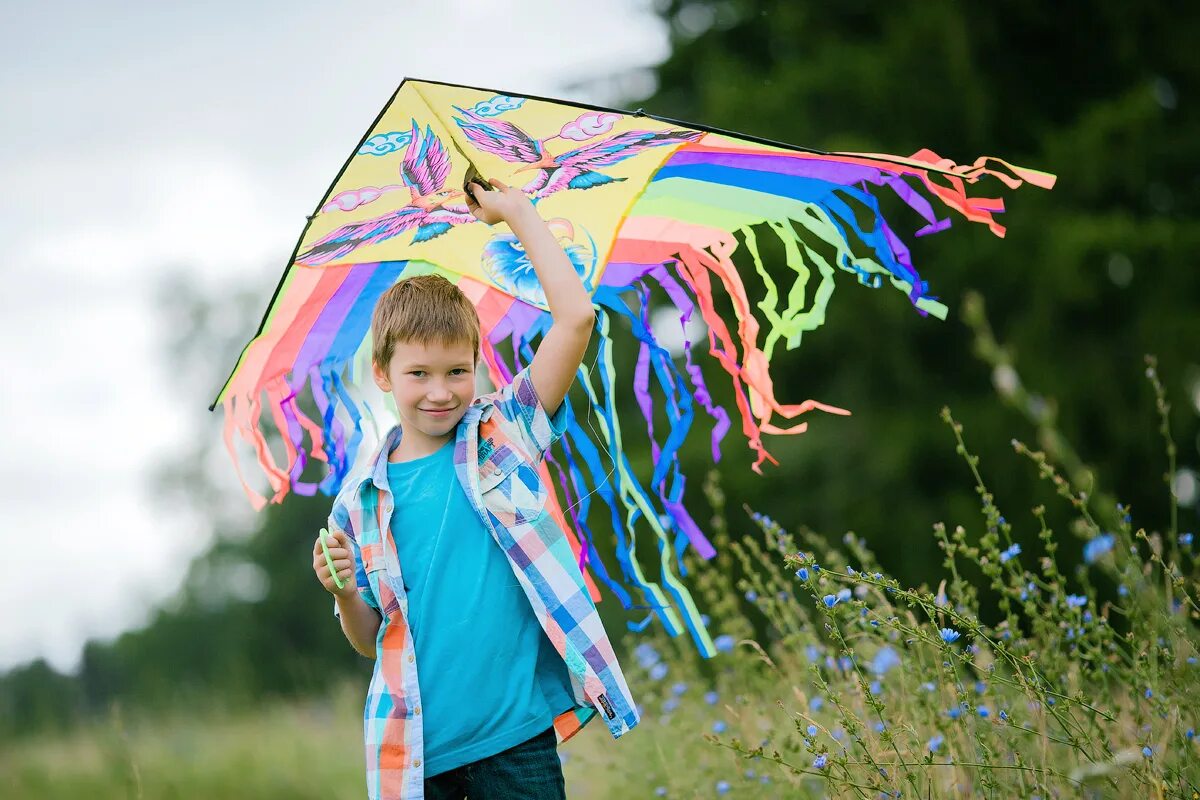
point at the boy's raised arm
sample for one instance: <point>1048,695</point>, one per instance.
<point>561,351</point>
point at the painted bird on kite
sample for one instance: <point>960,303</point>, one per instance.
<point>425,168</point>
<point>574,169</point>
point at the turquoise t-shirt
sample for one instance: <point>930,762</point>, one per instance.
<point>490,678</point>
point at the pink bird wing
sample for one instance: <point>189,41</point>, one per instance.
<point>501,139</point>
<point>426,163</point>
<point>349,238</point>
<point>617,148</point>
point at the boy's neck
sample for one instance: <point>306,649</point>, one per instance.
<point>417,445</point>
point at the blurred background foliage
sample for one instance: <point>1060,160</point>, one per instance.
<point>1092,275</point>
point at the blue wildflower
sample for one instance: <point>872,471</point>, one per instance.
<point>1149,693</point>
<point>850,570</point>
<point>843,595</point>
<point>646,655</point>
<point>802,573</point>
<point>723,643</point>
<point>935,743</point>
<point>1098,546</point>
<point>812,730</point>
<point>878,726</point>
<point>711,698</point>
<point>1004,715</point>
<point>980,687</point>
<point>1076,601</point>
<point>718,727</point>
<point>829,600</point>
<point>876,687</point>
<point>660,791</point>
<point>1013,550</point>
<point>812,652</point>
<point>816,567</point>
<point>838,734</point>
<point>884,660</point>
<point>949,635</point>
<point>670,704</point>
<point>658,671</point>
<point>1185,539</point>
<point>984,712</point>
<point>820,761</point>
<point>928,686</point>
<point>751,596</point>
<point>722,787</point>
<point>816,703</point>
<point>1122,590</point>
<point>1148,752</point>
<point>954,712</point>
<point>1191,733</point>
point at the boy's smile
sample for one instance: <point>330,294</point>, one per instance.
<point>432,384</point>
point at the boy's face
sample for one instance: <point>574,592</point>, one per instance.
<point>432,384</point>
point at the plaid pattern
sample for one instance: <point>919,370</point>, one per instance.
<point>498,457</point>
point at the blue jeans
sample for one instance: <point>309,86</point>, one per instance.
<point>529,771</point>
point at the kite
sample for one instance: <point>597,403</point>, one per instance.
<point>651,212</point>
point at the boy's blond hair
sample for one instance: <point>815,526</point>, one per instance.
<point>422,309</point>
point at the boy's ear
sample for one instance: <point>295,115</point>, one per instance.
<point>381,377</point>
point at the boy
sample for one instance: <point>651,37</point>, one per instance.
<point>466,592</point>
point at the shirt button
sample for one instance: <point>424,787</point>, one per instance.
<point>417,763</point>
<point>411,658</point>
<point>417,711</point>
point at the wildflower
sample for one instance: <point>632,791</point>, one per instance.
<point>843,595</point>
<point>1013,550</point>
<point>935,743</point>
<point>1122,590</point>
<point>816,567</point>
<point>954,713</point>
<point>1148,752</point>
<point>1076,601</point>
<point>722,787</point>
<point>850,570</point>
<point>679,688</point>
<point>711,698</point>
<point>838,734</point>
<point>751,596</point>
<point>812,652</point>
<point>875,687</point>
<point>984,713</point>
<point>874,623</point>
<point>660,791</point>
<point>1004,715</point>
<point>646,655</point>
<point>878,726</point>
<point>1097,547</point>
<point>1149,693</point>
<point>658,671</point>
<point>820,761</point>
<point>884,660</point>
<point>829,600</point>
<point>718,727</point>
<point>812,730</point>
<point>878,576</point>
<point>928,686</point>
<point>1185,539</point>
<point>949,635</point>
<point>845,663</point>
<point>980,687</point>
<point>816,703</point>
<point>723,643</point>
<point>1191,733</point>
<point>670,704</point>
<point>802,573</point>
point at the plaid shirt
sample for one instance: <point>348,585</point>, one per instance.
<point>498,455</point>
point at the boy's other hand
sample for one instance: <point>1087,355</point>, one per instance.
<point>503,205</point>
<point>343,563</point>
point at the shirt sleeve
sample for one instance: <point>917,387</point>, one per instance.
<point>519,404</point>
<point>339,520</point>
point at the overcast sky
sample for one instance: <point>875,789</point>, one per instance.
<point>143,136</point>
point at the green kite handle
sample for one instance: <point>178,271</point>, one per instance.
<point>329,560</point>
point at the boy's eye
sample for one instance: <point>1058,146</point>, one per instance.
<point>458,371</point>
<point>417,373</point>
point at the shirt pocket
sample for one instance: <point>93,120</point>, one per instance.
<point>512,489</point>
